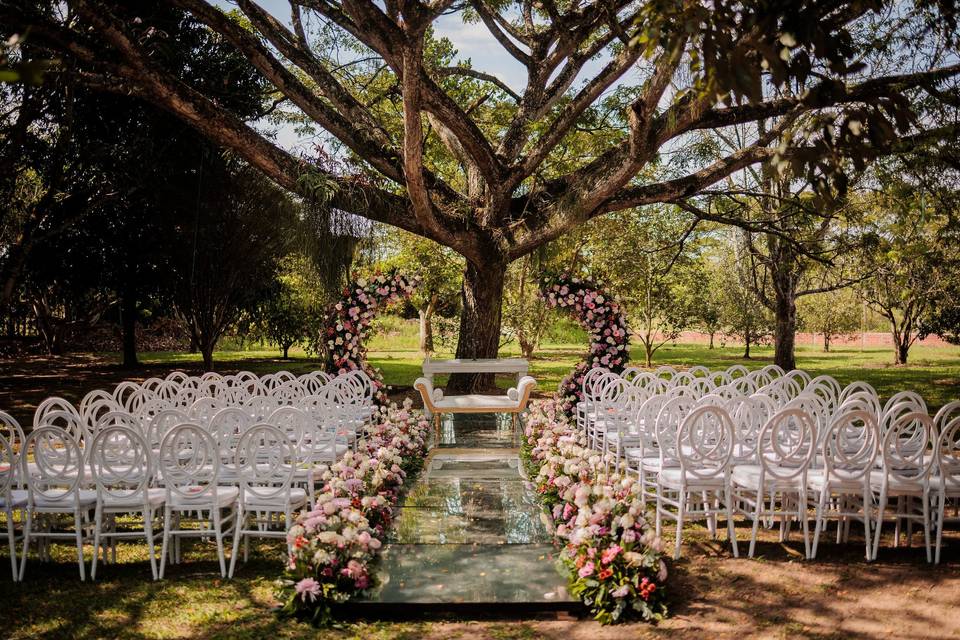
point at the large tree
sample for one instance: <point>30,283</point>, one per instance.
<point>450,152</point>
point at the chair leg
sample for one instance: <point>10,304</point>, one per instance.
<point>78,530</point>
<point>802,507</point>
<point>757,511</point>
<point>27,527</point>
<point>821,505</point>
<point>731,531</point>
<point>237,534</point>
<point>97,525</point>
<point>926,526</point>
<point>881,508</point>
<point>682,506</point>
<point>148,531</point>
<point>166,540</point>
<point>218,533</point>
<point>12,543</point>
<point>940,507</point>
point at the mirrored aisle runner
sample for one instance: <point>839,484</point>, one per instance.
<point>470,530</point>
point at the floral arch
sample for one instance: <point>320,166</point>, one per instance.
<point>347,324</point>
<point>601,315</point>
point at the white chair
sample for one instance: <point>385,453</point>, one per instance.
<point>11,500</point>
<point>848,449</point>
<point>226,426</point>
<point>946,484</point>
<point>908,456</point>
<point>190,470</point>
<point>703,445</point>
<point>53,488</point>
<point>204,408</point>
<point>947,414</point>
<point>120,460</point>
<point>786,445</point>
<point>266,462</point>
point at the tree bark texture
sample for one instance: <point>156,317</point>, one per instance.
<point>482,297</point>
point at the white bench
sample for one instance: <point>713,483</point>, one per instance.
<point>517,366</point>
<point>513,402</point>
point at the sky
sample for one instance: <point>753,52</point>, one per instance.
<point>472,41</point>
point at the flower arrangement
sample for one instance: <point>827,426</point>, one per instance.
<point>334,543</point>
<point>614,559</point>
<point>599,313</point>
<point>347,325</point>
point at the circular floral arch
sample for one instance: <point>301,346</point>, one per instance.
<point>601,315</point>
<point>348,324</point>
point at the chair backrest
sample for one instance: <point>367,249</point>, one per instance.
<point>8,469</point>
<point>12,431</point>
<point>95,404</point>
<point>288,393</point>
<point>161,423</point>
<point>259,408</point>
<point>58,465</point>
<point>907,447</point>
<point>904,397</point>
<point>54,404</point>
<point>773,370</point>
<point>704,442</point>
<point>699,371</point>
<point>681,379</point>
<point>189,463</point>
<point>265,463</point>
<point>590,379</point>
<point>226,427</point>
<point>179,377</point>
<point>946,415</point>
<point>69,421</point>
<point>120,461</point>
<point>749,415</point>
<point>124,391</point>
<point>204,408</point>
<point>948,454</point>
<point>857,387</point>
<point>669,418</point>
<point>666,372</point>
<point>720,378</point>
<point>116,418</point>
<point>850,446</point>
<point>186,396</point>
<point>292,422</point>
<point>861,401</point>
<point>787,444</point>
<point>892,413</point>
<point>738,371</point>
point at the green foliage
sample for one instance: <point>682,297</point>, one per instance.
<point>294,309</point>
<point>832,314</point>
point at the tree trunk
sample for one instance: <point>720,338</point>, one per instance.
<point>286,350</point>
<point>207,351</point>
<point>826,342</point>
<point>128,327</point>
<point>426,326</point>
<point>482,296</point>
<point>785,311</point>
<point>746,349</point>
<point>711,340</point>
<point>902,352</point>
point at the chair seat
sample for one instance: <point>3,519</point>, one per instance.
<point>221,496</point>
<point>18,499</point>
<point>87,498</point>
<point>748,476</point>
<point>897,485</point>
<point>477,402</point>
<point>675,478</point>
<point>134,501</point>
<point>816,478</point>
<point>298,497</point>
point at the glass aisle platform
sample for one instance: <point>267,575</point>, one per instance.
<point>470,530</point>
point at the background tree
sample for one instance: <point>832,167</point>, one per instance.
<point>639,257</point>
<point>437,270</point>
<point>451,153</point>
<point>240,227</point>
<point>832,314</point>
<point>293,310</point>
<point>744,315</point>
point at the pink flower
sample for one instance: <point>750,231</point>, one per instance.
<point>586,570</point>
<point>608,555</point>
<point>621,592</point>
<point>308,589</point>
